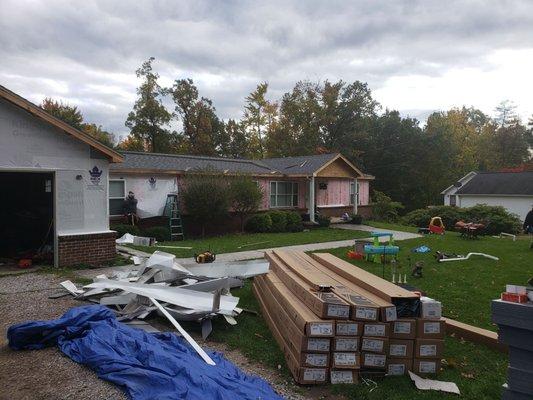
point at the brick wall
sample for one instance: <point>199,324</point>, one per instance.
<point>91,249</point>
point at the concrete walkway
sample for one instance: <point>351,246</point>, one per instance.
<point>251,254</point>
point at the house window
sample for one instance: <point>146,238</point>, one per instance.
<point>283,194</point>
<point>453,200</point>
<point>117,194</point>
<point>354,193</point>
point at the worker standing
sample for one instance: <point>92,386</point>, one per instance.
<point>130,208</point>
<point>528,222</point>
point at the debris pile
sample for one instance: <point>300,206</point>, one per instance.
<point>336,322</point>
<point>179,293</point>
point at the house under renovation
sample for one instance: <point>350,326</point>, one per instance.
<point>326,183</point>
<point>54,181</point>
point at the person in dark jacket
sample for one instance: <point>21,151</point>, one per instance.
<point>130,208</point>
<point>528,222</point>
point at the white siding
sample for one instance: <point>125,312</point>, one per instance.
<point>519,205</point>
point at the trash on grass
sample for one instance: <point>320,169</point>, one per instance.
<point>430,384</point>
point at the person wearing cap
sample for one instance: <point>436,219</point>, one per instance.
<point>130,208</point>
<point>528,222</point>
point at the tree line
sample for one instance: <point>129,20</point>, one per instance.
<point>411,163</point>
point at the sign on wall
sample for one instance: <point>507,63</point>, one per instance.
<point>95,179</point>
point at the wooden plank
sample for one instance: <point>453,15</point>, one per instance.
<point>474,334</point>
<point>373,283</point>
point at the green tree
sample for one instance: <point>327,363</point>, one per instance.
<point>149,119</point>
<point>206,197</point>
<point>238,143</point>
<point>246,196</point>
<point>256,119</point>
<point>63,111</point>
<point>99,134</point>
<point>131,143</point>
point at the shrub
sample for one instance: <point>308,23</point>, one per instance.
<point>259,223</point>
<point>294,222</point>
<point>125,228</point>
<point>245,196</point>
<point>279,221</point>
<point>323,220</point>
<point>160,233</point>
<point>383,208</point>
<point>356,219</point>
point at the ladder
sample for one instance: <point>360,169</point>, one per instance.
<point>172,210</point>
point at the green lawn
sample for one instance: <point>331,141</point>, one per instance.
<point>395,227</point>
<point>465,288</point>
<point>253,241</point>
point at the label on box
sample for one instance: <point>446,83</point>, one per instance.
<point>317,344</point>
<point>338,310</point>
<point>346,344</point>
<point>321,329</point>
<point>311,374</point>
<point>366,313</point>
<point>345,359</point>
<point>375,360</point>
<point>347,329</point>
<point>428,367</point>
<point>428,350</point>
<point>390,314</point>
<point>372,345</point>
<point>431,327</point>
<point>341,376</point>
<point>396,369</point>
<point>374,330</point>
<point>316,360</point>
<point>402,327</point>
<point>399,350</point>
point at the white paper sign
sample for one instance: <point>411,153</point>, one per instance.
<point>345,359</point>
<point>321,329</point>
<point>399,350</point>
<point>317,344</point>
<point>347,329</point>
<point>402,327</point>
<point>341,377</point>
<point>428,367</point>
<point>346,344</point>
<point>396,369</point>
<point>366,313</point>
<point>428,350</point>
<point>390,314</point>
<point>316,360</point>
<point>338,310</point>
<point>311,374</point>
<point>374,330</point>
<point>372,345</point>
<point>432,327</point>
<point>374,360</point>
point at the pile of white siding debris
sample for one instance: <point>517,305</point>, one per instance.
<point>196,292</point>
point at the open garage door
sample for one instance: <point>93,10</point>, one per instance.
<point>26,217</point>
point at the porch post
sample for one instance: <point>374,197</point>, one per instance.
<point>312,199</point>
<point>355,196</point>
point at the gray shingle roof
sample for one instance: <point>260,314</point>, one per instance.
<point>177,162</point>
<point>502,183</point>
<point>304,165</point>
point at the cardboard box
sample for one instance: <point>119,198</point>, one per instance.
<point>345,360</point>
<point>348,328</point>
<point>400,348</point>
<point>320,360</point>
<point>430,329</point>
<point>338,376</point>
<point>430,309</point>
<point>323,304</point>
<point>310,376</point>
<point>377,329</point>
<point>428,348</point>
<point>371,360</point>
<point>346,343</point>
<point>296,310</point>
<point>426,366</point>
<point>403,328</point>
<point>375,345</point>
<point>399,366</point>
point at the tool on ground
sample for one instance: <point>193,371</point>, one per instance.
<point>205,257</point>
<point>417,269</point>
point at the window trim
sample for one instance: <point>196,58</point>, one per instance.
<point>355,186</point>
<point>292,194</point>
<point>109,198</point>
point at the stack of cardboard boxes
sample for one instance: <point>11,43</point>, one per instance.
<point>332,327</point>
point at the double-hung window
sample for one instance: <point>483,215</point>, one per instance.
<point>117,194</point>
<point>283,194</point>
<point>354,193</point>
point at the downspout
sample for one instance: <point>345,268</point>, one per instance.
<point>355,196</point>
<point>312,199</point>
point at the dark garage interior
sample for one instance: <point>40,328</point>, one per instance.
<point>26,215</point>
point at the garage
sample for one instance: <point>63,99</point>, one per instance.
<point>54,179</point>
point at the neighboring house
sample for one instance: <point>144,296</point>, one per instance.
<point>512,190</point>
<point>54,181</point>
<point>328,183</point>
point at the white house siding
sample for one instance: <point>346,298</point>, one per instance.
<point>519,205</point>
<point>151,193</point>
<point>29,144</point>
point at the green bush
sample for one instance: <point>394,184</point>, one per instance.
<point>294,222</point>
<point>125,228</point>
<point>323,220</point>
<point>279,221</point>
<point>356,219</point>
<point>160,233</point>
<point>383,208</point>
<point>450,215</point>
<point>259,223</point>
<point>245,196</point>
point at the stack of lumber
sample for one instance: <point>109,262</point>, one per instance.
<point>334,321</point>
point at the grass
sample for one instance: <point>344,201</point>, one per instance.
<point>391,226</point>
<point>465,288</point>
<point>253,241</point>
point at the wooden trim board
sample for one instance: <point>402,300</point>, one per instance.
<point>474,334</point>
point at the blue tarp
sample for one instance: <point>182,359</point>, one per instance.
<point>146,365</point>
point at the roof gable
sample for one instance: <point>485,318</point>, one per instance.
<point>499,183</point>
<point>38,112</point>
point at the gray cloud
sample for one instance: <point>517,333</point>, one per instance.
<point>86,52</point>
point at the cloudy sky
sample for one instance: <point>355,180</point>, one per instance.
<point>417,56</point>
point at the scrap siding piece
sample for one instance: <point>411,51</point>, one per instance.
<point>246,269</point>
<point>430,384</point>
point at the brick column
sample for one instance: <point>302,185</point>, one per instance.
<point>91,249</point>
